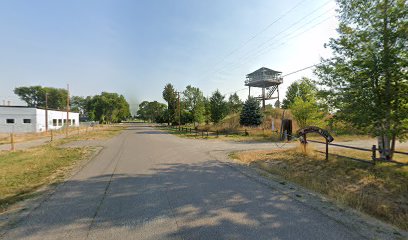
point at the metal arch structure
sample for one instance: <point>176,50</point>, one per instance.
<point>267,79</point>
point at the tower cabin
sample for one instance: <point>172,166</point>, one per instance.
<point>267,79</point>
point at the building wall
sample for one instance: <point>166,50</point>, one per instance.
<point>56,119</point>
<point>33,120</point>
<point>18,114</point>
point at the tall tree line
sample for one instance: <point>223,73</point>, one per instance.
<point>105,108</point>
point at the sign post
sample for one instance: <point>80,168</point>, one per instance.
<point>312,129</point>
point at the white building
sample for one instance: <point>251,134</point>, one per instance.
<point>21,119</point>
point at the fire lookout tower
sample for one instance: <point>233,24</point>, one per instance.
<point>267,79</point>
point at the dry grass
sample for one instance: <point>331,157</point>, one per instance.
<point>23,137</point>
<point>23,172</point>
<point>380,190</point>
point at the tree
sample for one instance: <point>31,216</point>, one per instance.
<point>107,107</point>
<point>34,96</point>
<point>152,111</point>
<point>303,88</point>
<point>193,100</point>
<point>207,111</point>
<point>366,79</point>
<point>277,104</point>
<point>305,112</point>
<point>170,96</point>
<point>78,104</point>
<point>218,107</point>
<point>234,103</point>
<point>251,114</point>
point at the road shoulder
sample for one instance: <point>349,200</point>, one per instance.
<point>366,226</point>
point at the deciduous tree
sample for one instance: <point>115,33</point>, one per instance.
<point>366,78</point>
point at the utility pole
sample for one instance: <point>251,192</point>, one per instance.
<point>67,123</point>
<point>46,112</point>
<point>179,109</point>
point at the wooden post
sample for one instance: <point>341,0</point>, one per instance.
<point>374,154</point>
<point>67,123</point>
<point>46,112</point>
<point>52,135</point>
<point>304,144</point>
<point>12,148</point>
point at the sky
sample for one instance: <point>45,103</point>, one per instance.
<point>136,47</point>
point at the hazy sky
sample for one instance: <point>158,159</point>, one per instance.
<point>135,47</point>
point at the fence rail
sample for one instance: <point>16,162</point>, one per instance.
<point>373,150</point>
<point>246,132</point>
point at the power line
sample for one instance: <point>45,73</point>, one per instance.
<point>259,33</point>
<point>249,54</point>
<point>274,46</point>
<point>296,71</point>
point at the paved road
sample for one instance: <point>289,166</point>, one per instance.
<point>150,185</point>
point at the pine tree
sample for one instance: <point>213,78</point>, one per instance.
<point>251,114</point>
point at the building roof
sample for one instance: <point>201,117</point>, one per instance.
<point>263,70</point>
<point>11,106</point>
<point>263,78</point>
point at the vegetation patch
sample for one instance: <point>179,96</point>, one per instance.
<point>25,171</point>
<point>380,190</point>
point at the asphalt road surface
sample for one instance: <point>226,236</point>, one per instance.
<point>146,184</point>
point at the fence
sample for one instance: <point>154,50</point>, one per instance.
<point>373,151</point>
<point>12,139</point>
<point>206,133</point>
<point>245,132</point>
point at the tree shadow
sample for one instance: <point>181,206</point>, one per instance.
<point>206,200</point>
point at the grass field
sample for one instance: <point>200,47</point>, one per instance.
<point>23,172</point>
<point>380,190</point>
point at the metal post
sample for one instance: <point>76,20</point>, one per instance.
<point>327,150</point>
<point>263,98</point>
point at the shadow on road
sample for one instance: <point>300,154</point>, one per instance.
<point>208,200</point>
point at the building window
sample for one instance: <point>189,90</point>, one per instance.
<point>26,120</point>
<point>10,120</point>
<point>65,121</point>
<point>54,122</point>
<point>59,122</point>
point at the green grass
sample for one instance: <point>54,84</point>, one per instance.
<point>380,190</point>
